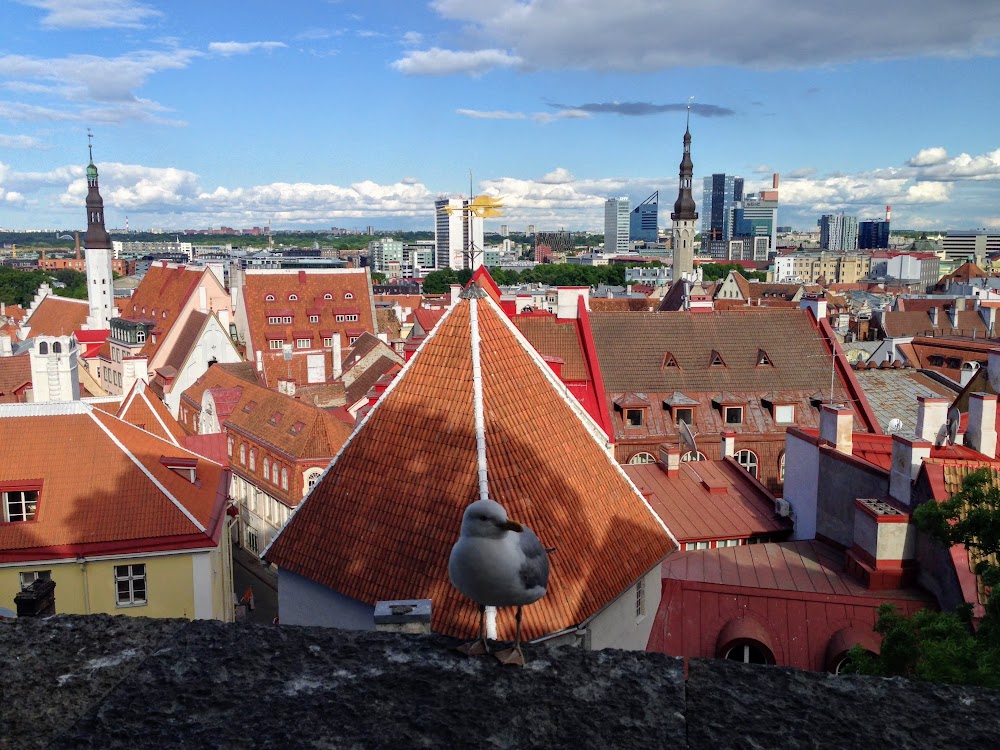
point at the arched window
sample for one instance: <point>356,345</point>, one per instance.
<point>693,456</point>
<point>269,298</point>
<point>253,459</point>
<point>274,472</point>
<point>229,447</point>
<point>312,477</point>
<point>43,347</point>
<point>140,335</point>
<point>748,460</point>
<point>243,454</point>
<point>267,466</point>
<point>749,652</point>
<point>642,458</point>
<point>348,295</point>
<point>56,347</point>
<point>284,478</point>
<point>293,297</point>
<point>327,296</point>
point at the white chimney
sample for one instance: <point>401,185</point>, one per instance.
<point>934,317</point>
<point>670,460</point>
<point>908,453</point>
<point>981,433</point>
<point>133,369</point>
<point>836,426</point>
<point>953,313</point>
<point>6,347</point>
<point>728,444</point>
<point>989,316</point>
<point>815,304</point>
<point>932,419</point>
<point>336,358</point>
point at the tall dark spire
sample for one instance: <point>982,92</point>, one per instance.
<point>96,236</point>
<point>684,206</point>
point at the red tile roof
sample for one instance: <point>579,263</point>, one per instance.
<point>382,521</point>
<point>103,489</point>
<point>15,378</point>
<point>709,500</point>
<point>877,450</point>
<point>58,316</point>
<point>159,298</point>
<point>145,410</point>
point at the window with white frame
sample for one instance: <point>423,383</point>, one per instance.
<point>267,467</point>
<point>781,468</point>
<point>312,477</point>
<point>734,415</point>
<point>284,478</point>
<point>352,339</point>
<point>303,343</point>
<point>20,505</point>
<point>276,343</point>
<point>243,454</point>
<point>274,473</point>
<point>130,585</point>
<point>253,460</point>
<point>748,460</point>
<point>642,458</point>
<point>252,541</point>
<point>640,599</point>
<point>351,318</point>
<point>348,295</point>
<point>750,652</point>
<point>314,318</point>
<point>784,413</point>
<point>30,576</point>
<point>693,456</point>
<point>274,320</point>
<point>327,296</point>
<point>229,447</point>
<point>339,318</point>
<point>140,336</point>
<point>328,341</point>
<point>293,297</point>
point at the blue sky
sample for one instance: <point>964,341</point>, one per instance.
<point>313,113</point>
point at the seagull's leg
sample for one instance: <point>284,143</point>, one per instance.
<point>480,645</point>
<point>513,655</point>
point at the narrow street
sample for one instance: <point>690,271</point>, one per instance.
<point>248,572</point>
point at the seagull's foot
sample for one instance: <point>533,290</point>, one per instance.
<point>477,647</point>
<point>511,657</point>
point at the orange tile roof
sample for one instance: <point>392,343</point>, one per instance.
<point>58,316</point>
<point>103,488</point>
<point>159,298</point>
<point>147,412</point>
<point>555,338</point>
<point>381,522</point>
<point>15,377</point>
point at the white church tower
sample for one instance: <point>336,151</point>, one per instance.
<point>55,372</point>
<point>97,245</point>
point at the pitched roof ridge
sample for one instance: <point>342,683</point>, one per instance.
<point>358,427</point>
<point>477,396</point>
<point>156,413</point>
<point>142,467</point>
<point>592,427</point>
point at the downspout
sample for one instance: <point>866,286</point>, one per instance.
<point>82,562</point>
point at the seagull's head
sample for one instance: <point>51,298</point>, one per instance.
<point>486,518</point>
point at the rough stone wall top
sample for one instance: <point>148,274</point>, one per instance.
<point>121,682</point>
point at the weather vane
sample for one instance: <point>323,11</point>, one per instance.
<point>690,99</point>
<point>90,143</point>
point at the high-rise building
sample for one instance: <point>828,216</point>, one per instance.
<point>838,232</point>
<point>504,230</point>
<point>458,235</point>
<point>642,222</point>
<point>873,234</point>
<point>616,225</point>
<point>98,249</point>
<point>756,216</point>
<point>720,194</point>
<point>684,214</point>
<point>386,256</point>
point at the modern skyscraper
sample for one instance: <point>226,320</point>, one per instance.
<point>720,194</point>
<point>642,222</point>
<point>684,214</point>
<point>838,232</point>
<point>616,225</point>
<point>97,246</point>
<point>756,216</point>
<point>873,235</point>
<point>458,235</point>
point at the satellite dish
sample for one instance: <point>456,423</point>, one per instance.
<point>954,415</point>
<point>688,437</point>
<point>895,425</point>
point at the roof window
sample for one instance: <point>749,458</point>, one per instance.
<point>762,358</point>
<point>348,295</point>
<point>716,360</point>
<point>249,406</point>
<point>296,428</point>
<point>668,361</point>
<point>181,465</point>
<point>293,297</point>
<point>275,418</point>
<point>269,298</point>
<point>327,296</point>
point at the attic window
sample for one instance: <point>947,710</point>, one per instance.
<point>684,414</point>
<point>633,417</point>
<point>19,505</point>
<point>327,296</point>
<point>249,406</point>
<point>181,465</point>
<point>716,360</point>
<point>348,295</point>
<point>275,418</point>
<point>733,414</point>
<point>293,297</point>
<point>954,363</point>
<point>296,428</point>
<point>269,298</point>
<point>937,360</point>
<point>669,361</point>
<point>762,358</point>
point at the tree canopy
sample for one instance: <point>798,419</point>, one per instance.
<point>943,646</point>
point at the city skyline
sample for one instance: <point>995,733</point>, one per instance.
<point>353,114</point>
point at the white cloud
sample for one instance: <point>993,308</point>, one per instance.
<point>412,38</point>
<point>242,48</point>
<point>93,14</point>
<point>13,197</point>
<point>439,62</point>
<point>562,114</point>
<point>928,156</point>
<point>628,35</point>
<point>557,176</point>
<point>20,141</point>
<point>494,115</point>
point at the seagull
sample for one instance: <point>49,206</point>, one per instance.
<point>497,562</point>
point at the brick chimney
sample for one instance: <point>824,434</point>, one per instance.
<point>932,419</point>
<point>670,461</point>
<point>882,556</point>
<point>908,453</point>
<point>836,426</point>
<point>403,616</point>
<point>38,600</point>
<point>981,432</point>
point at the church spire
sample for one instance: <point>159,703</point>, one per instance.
<point>96,236</point>
<point>684,214</point>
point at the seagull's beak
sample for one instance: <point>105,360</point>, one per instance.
<point>512,526</point>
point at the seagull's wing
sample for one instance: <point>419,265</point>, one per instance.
<point>534,570</point>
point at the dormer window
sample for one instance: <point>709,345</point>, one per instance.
<point>296,428</point>
<point>348,295</point>
<point>684,414</point>
<point>784,413</point>
<point>633,417</point>
<point>715,360</point>
<point>293,297</point>
<point>733,414</point>
<point>327,296</point>
<point>182,466</point>
<point>668,361</point>
<point>269,298</point>
<point>249,406</point>
<point>19,505</point>
<point>275,418</point>
<point>762,358</point>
